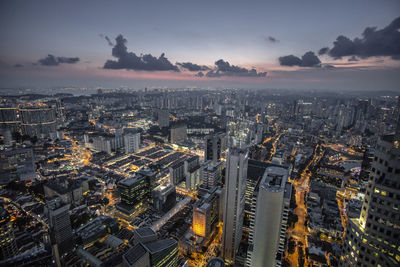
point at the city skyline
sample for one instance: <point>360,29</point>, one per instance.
<point>204,45</point>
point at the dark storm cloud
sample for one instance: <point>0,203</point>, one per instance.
<point>290,61</point>
<point>353,58</point>
<point>68,60</point>
<point>199,74</point>
<point>130,61</point>
<point>323,51</point>
<point>309,59</point>
<point>51,60</point>
<point>383,42</point>
<point>223,68</point>
<point>272,39</point>
<point>192,67</point>
<point>18,66</point>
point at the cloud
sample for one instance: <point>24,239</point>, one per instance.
<point>353,58</point>
<point>199,74</point>
<point>309,59</point>
<point>223,68</point>
<point>108,41</point>
<point>68,60</point>
<point>323,51</point>
<point>290,61</point>
<point>18,66</point>
<point>51,60</point>
<point>192,67</point>
<point>271,39</point>
<point>130,61</point>
<point>383,42</point>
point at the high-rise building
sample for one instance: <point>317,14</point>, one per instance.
<point>38,121</point>
<point>134,193</point>
<point>178,133</point>
<point>373,238</point>
<point>164,197</point>
<point>255,172</point>
<point>214,146</point>
<point>9,118</point>
<point>234,200</point>
<point>8,246</point>
<point>270,209</point>
<point>60,226</point>
<point>211,174</point>
<point>131,142</point>
<point>206,212</point>
<point>163,118</point>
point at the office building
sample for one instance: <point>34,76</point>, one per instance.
<point>373,238</point>
<point>214,147</point>
<point>164,197</point>
<point>163,118</point>
<point>270,208</point>
<point>206,212</point>
<point>131,142</point>
<point>95,229</point>
<point>159,253</point>
<point>234,200</point>
<point>143,235</point>
<point>8,246</point>
<point>60,229</point>
<point>178,133</point>
<point>38,121</point>
<point>135,194</point>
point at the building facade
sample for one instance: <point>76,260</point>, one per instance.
<point>234,200</point>
<point>268,219</point>
<point>373,238</point>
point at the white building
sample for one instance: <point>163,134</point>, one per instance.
<point>234,200</point>
<point>270,208</point>
<point>131,142</point>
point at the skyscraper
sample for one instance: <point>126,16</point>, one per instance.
<point>373,238</point>
<point>214,146</point>
<point>135,193</point>
<point>60,226</point>
<point>270,208</point>
<point>8,246</point>
<point>163,118</point>
<point>234,200</point>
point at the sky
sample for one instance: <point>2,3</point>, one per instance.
<point>346,45</point>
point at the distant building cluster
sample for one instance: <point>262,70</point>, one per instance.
<point>193,177</point>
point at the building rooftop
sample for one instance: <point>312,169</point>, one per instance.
<point>134,254</point>
<point>160,245</point>
<point>131,181</point>
<point>145,231</point>
<point>274,178</point>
